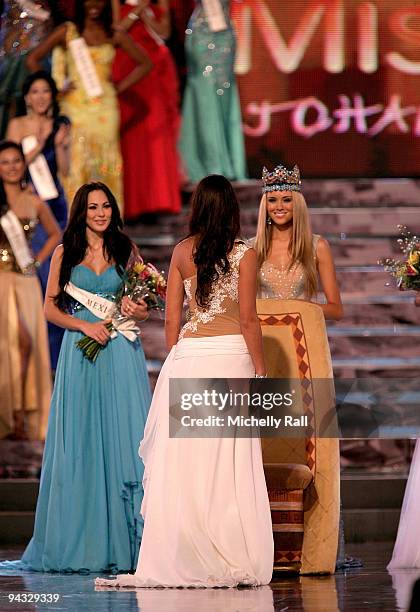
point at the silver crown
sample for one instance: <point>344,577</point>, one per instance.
<point>281,179</point>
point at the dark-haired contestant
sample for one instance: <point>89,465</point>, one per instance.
<point>206,510</point>
<point>45,137</point>
<point>25,377</point>
<point>88,510</point>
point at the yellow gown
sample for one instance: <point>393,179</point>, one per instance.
<point>95,146</point>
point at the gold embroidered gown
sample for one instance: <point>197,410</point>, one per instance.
<point>206,510</point>
<point>21,303</point>
<point>296,347</point>
<point>95,122</point>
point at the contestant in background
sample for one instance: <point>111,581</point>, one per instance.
<point>206,510</point>
<point>82,61</point>
<point>45,137</point>
<point>24,23</point>
<point>211,132</point>
<point>25,376</point>
<point>149,112</point>
<point>290,261</point>
<point>88,510</point>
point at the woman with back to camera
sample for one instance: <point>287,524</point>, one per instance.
<point>214,527</point>
<point>25,376</point>
<point>87,516</point>
<point>89,98</point>
<point>45,137</point>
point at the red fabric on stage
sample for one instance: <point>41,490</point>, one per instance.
<point>149,128</point>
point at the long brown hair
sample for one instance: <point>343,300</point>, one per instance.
<point>215,225</point>
<point>300,245</point>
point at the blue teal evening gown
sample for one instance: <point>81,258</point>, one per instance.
<point>212,140</point>
<point>88,510</point>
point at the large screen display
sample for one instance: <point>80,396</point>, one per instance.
<point>333,85</point>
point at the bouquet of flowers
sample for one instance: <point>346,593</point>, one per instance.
<point>141,281</point>
<point>407,272</point>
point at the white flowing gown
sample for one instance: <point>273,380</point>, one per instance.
<point>407,546</point>
<point>205,507</point>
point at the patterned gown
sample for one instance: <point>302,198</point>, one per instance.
<point>211,135</point>
<point>95,144</point>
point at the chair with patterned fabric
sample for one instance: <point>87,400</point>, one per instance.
<point>302,474</point>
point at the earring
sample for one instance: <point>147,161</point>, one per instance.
<point>269,221</point>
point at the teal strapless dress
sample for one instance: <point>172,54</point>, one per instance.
<point>212,140</point>
<point>88,510</point>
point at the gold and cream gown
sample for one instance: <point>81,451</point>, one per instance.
<point>296,347</point>
<point>205,507</point>
<point>278,282</point>
<point>21,304</point>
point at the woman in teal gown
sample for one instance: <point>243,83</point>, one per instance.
<point>211,135</point>
<point>88,510</point>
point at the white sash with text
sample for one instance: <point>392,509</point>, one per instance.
<point>85,67</point>
<point>104,309</point>
<point>40,171</point>
<point>17,240</point>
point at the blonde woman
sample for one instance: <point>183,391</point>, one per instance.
<point>290,256</point>
<point>292,262</point>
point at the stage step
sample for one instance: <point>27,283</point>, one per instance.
<point>371,507</point>
<point>16,527</point>
<point>370,525</point>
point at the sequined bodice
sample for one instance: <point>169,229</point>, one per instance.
<point>281,282</point>
<point>8,262</point>
<point>210,55</point>
<point>221,316</point>
<point>20,31</point>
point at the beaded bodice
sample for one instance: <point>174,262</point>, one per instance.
<point>211,54</point>
<point>281,282</point>
<point>21,30</point>
<point>8,262</point>
<point>221,316</point>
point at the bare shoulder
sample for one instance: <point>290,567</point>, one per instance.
<point>184,249</point>
<point>57,255</point>
<point>248,258</point>
<point>323,248</point>
<point>34,200</point>
<point>15,125</point>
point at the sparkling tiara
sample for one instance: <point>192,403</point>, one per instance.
<point>281,179</point>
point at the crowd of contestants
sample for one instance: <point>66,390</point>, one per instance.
<point>123,153</point>
<point>135,133</point>
<point>132,132</point>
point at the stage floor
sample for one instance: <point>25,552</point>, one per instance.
<point>366,588</point>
